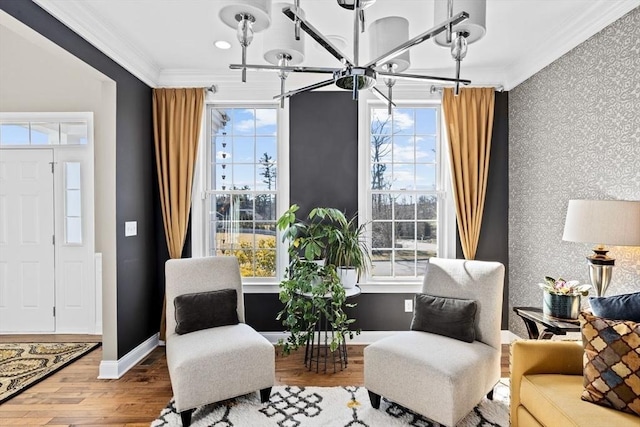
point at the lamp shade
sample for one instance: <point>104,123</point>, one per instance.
<point>611,222</point>
<point>259,9</point>
<point>475,25</point>
<point>279,38</point>
<point>387,33</point>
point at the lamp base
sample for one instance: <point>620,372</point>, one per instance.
<point>600,270</point>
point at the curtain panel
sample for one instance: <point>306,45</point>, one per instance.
<point>469,123</point>
<point>177,119</point>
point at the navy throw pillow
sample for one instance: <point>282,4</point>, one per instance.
<point>451,317</point>
<point>204,310</point>
<point>617,307</point>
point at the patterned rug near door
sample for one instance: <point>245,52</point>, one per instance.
<point>24,364</point>
<point>328,406</point>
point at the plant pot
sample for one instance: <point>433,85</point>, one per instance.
<point>561,306</point>
<point>348,276</point>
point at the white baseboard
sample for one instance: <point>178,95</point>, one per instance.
<point>368,337</point>
<point>507,337</point>
<point>114,369</point>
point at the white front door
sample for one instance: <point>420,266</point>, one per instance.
<point>26,241</point>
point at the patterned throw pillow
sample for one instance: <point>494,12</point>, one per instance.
<point>611,362</point>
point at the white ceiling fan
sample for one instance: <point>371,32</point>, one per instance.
<point>455,31</point>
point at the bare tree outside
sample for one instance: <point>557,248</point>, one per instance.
<point>404,201</point>
<point>380,148</point>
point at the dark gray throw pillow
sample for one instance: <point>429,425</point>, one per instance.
<point>451,317</point>
<point>204,310</point>
<point>617,307</point>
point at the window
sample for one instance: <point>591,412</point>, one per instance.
<point>242,187</point>
<point>406,198</point>
<point>50,132</point>
<point>73,203</point>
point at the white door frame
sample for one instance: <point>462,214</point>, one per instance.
<point>78,292</point>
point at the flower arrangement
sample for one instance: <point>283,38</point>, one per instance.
<point>563,287</point>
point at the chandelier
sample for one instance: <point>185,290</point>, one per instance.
<point>461,23</point>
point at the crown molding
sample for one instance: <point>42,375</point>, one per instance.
<point>594,19</point>
<point>80,17</point>
<point>268,83</point>
<point>83,20</point>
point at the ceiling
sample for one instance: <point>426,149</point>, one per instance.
<point>170,42</point>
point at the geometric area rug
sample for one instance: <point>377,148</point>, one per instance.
<point>291,406</point>
<point>24,364</point>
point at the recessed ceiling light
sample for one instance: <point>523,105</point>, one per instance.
<point>222,44</point>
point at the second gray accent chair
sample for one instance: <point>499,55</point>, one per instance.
<point>219,363</point>
<point>436,376</point>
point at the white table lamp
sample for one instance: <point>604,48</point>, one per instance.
<point>611,222</point>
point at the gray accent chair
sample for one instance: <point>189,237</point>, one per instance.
<point>438,377</point>
<point>219,363</point>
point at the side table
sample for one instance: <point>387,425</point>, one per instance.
<point>532,316</point>
<point>317,351</point>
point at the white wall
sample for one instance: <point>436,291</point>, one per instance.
<point>574,133</point>
<point>38,76</point>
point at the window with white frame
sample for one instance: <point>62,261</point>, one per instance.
<point>406,194</point>
<point>41,132</point>
<point>242,187</point>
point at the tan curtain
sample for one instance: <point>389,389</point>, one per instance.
<point>177,118</point>
<point>469,121</point>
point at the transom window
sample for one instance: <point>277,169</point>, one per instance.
<point>21,133</point>
<point>242,188</point>
<point>405,192</point>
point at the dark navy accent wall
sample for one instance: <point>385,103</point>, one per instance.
<point>324,172</point>
<point>138,301</point>
<point>322,126</point>
<point>494,234</point>
<point>323,151</point>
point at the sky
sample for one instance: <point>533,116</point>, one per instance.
<point>240,146</point>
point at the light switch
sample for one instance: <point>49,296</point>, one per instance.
<point>130,228</point>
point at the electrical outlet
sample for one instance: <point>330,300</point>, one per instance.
<point>408,305</point>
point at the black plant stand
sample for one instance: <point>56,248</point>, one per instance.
<point>317,351</point>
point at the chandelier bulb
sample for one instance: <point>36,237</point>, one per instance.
<point>459,47</point>
<point>283,61</point>
<point>245,28</point>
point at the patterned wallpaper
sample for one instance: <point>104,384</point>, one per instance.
<point>574,132</point>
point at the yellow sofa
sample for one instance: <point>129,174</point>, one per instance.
<point>546,384</point>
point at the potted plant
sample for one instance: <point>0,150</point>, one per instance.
<point>310,238</point>
<point>348,251</point>
<point>310,290</point>
<point>561,298</point>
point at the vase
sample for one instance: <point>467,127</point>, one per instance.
<point>561,306</point>
<point>348,277</point>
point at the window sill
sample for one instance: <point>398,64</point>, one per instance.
<point>367,288</point>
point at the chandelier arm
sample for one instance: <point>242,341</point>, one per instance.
<point>318,37</point>
<point>282,79</point>
<point>400,49</point>
<point>456,90</point>
<point>377,92</point>
<point>421,77</point>
<point>305,89</point>
<point>289,68</point>
<point>296,22</point>
<point>356,31</point>
<point>244,61</point>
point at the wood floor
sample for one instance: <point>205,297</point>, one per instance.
<point>74,396</point>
